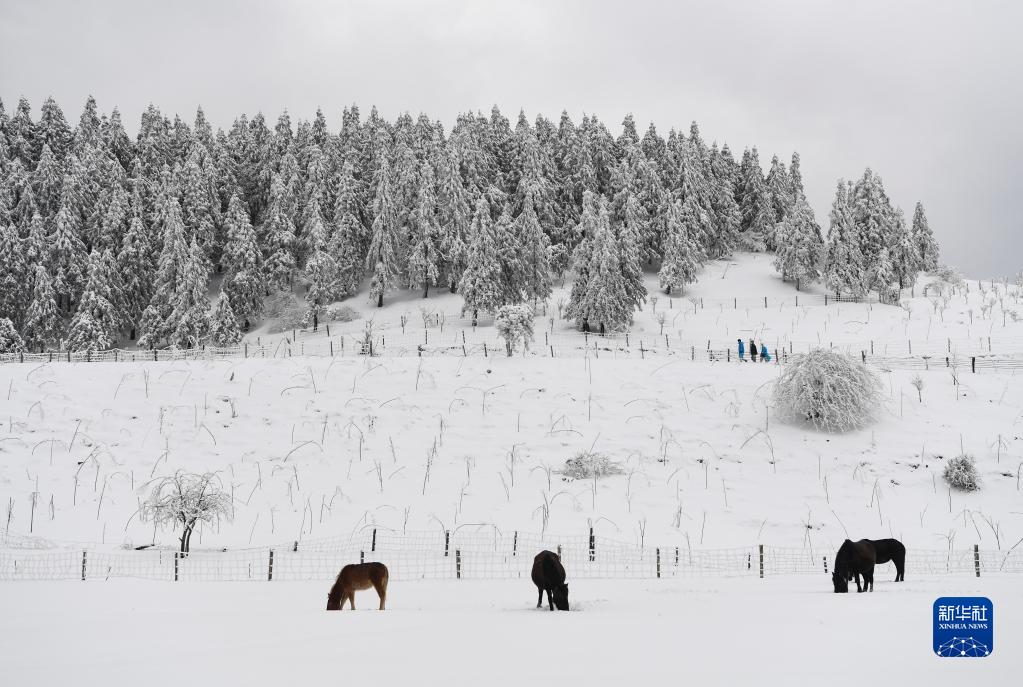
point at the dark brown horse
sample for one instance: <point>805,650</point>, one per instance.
<point>549,576</point>
<point>859,558</point>
<point>356,577</point>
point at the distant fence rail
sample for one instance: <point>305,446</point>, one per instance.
<point>478,555</point>
<point>623,347</point>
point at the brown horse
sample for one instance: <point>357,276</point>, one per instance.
<point>356,577</point>
<point>549,576</point>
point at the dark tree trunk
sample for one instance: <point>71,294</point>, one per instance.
<point>380,300</point>
<point>426,290</point>
<point>316,321</point>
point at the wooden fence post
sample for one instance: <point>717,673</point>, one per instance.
<point>84,554</point>
<point>373,546</point>
<point>761,549</point>
<point>976,558</point>
<point>825,564</point>
<point>973,364</point>
<point>458,564</point>
<point>658,563</point>
<point>362,556</point>
<point>593,546</point>
<point>270,567</point>
<point>175,566</point>
<point>447,541</point>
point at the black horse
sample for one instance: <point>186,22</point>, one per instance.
<point>549,576</point>
<point>859,558</point>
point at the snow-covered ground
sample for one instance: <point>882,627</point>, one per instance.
<point>783,631</point>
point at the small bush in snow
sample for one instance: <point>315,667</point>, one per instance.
<point>586,465</point>
<point>830,390</point>
<point>10,340</point>
<point>342,313</point>
<point>515,325</point>
<point>961,473</point>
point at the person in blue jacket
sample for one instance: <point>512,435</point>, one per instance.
<point>742,349</point>
<point>764,355</point>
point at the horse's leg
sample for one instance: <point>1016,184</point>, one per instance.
<point>381,588</point>
<point>539,597</point>
<point>858,588</point>
<point>868,579</point>
<point>900,570</point>
<point>351,599</point>
<point>550,599</point>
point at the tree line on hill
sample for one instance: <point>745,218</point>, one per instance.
<point>104,237</point>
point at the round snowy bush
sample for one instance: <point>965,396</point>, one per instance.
<point>586,465</point>
<point>830,390</point>
<point>961,473</point>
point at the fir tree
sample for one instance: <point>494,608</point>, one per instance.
<point>424,230</point>
<point>455,215</point>
<point>682,253</point>
<point>385,248</point>
<point>224,331</point>
<point>43,324</point>
<point>279,239</point>
<point>348,243</point>
<point>607,304</point>
<point>136,266</point>
<point>94,325</point>
<point>844,270</point>
<point>800,248</point>
<point>755,204</point>
<point>14,272</point>
<point>534,252</point>
<point>923,241</point>
<point>243,275</point>
<point>480,284</point>
<point>10,340</point>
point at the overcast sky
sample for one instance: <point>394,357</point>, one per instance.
<point>928,93</point>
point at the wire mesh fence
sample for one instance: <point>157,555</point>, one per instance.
<point>480,554</point>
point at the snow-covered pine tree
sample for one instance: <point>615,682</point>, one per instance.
<point>94,325</point>
<point>682,253</point>
<point>480,284</point>
<point>629,234</point>
<point>511,257</point>
<point>224,330</point>
<point>873,215</point>
<point>424,231</point>
<point>800,249</point>
<point>191,307</point>
<point>10,340</point>
<point>923,240</point>
<point>534,252</point>
<point>844,270</point>
<point>796,176</point>
<point>455,215</point>
<point>66,257</point>
<point>349,240</point>
<point>901,249</point>
<point>386,246</point>
<point>136,266</point>
<point>47,183</point>
<point>779,188</point>
<point>607,306</point>
<point>582,258</point>
<point>724,210</point>
<point>279,238</point>
<point>243,276</point>
<point>15,287</point>
<point>43,324</point>
<point>755,204</point>
<point>321,271</point>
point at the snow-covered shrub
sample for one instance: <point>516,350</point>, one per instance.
<point>515,324</point>
<point>288,313</point>
<point>947,278</point>
<point>10,340</point>
<point>961,473</point>
<point>830,390</point>
<point>184,500</point>
<point>587,465</point>
<point>342,313</point>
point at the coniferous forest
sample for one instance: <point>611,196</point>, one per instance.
<point>108,238</point>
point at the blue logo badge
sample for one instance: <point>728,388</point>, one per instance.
<point>964,626</point>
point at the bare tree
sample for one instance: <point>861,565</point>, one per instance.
<point>184,500</point>
<point>830,390</point>
<point>515,325</point>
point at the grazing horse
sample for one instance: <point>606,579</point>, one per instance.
<point>852,560</point>
<point>891,550</point>
<point>549,576</point>
<point>355,577</point>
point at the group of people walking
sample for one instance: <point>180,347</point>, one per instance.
<point>763,353</point>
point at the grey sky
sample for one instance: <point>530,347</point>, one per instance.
<point>927,93</point>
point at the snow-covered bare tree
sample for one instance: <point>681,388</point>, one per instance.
<point>827,389</point>
<point>514,324</point>
<point>186,500</point>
